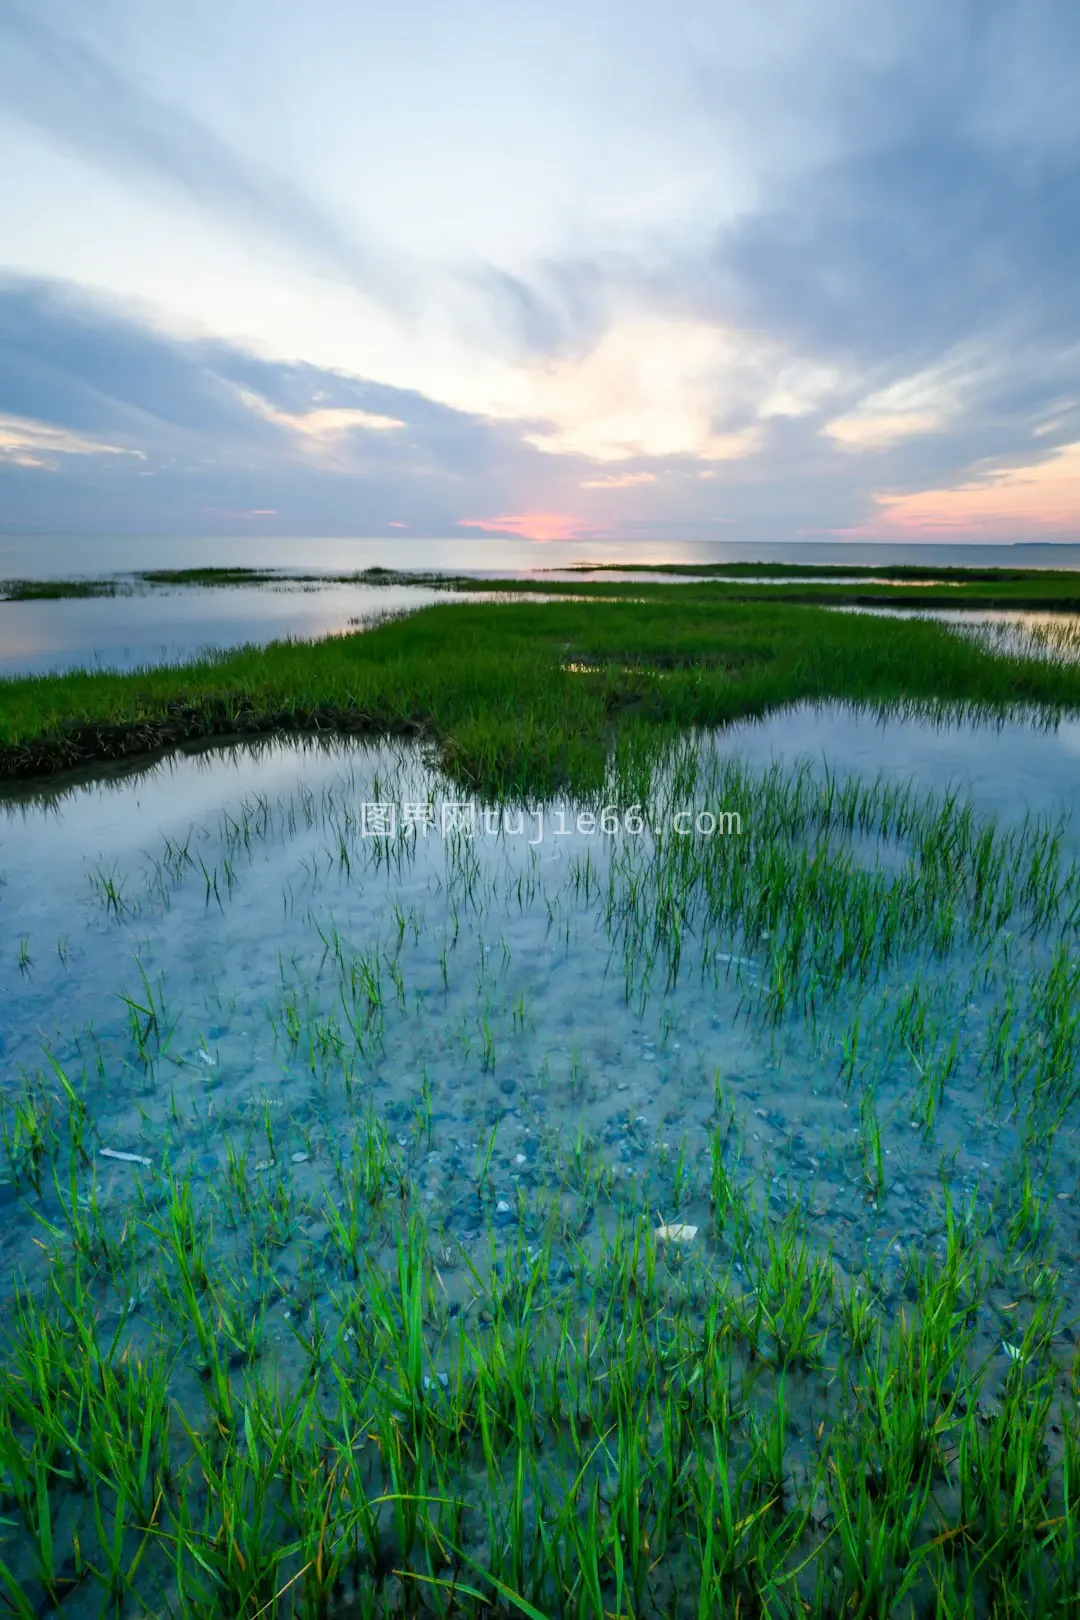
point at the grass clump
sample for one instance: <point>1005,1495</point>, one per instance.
<point>546,1450</point>
<point>53,590</point>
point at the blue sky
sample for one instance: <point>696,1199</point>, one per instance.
<point>700,271</point>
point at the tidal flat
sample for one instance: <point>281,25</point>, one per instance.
<point>608,1149</point>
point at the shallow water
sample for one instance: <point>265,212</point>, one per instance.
<point>161,626</point>
<point>216,880</point>
<point>173,624</point>
<point>1007,768</point>
<point>1007,632</point>
<point>233,956</point>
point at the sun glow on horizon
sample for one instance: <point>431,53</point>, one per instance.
<point>529,525</point>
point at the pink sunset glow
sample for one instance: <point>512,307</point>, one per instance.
<point>529,525</point>
<point>1042,499</point>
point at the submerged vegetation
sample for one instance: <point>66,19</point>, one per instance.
<point>207,578</point>
<point>652,1195</point>
<point>726,1266</point>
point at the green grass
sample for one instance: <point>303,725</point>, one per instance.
<point>781,571</point>
<point>521,696</point>
<point>657,1434</point>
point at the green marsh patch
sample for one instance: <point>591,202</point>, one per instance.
<point>472,677</point>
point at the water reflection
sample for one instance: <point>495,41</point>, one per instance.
<point>1008,632</point>
<point>158,627</point>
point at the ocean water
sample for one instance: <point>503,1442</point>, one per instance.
<point>63,556</point>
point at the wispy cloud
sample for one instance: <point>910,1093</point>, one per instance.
<point>1004,502</point>
<point>26,443</point>
<point>73,92</point>
<point>926,402</point>
<point>322,433</point>
<point>619,480</point>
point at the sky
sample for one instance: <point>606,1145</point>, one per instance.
<point>561,269</point>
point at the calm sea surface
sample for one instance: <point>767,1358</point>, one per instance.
<point>61,556</point>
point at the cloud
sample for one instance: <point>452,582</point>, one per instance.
<point>187,435</point>
<point>21,440</point>
<point>1041,498</point>
<point>77,95</point>
<point>223,431</point>
<point>1057,424</point>
<point>652,387</point>
<point>82,362</point>
<point>323,433</point>
<point>923,403</point>
<point>900,251</point>
<point>234,438</point>
<point>711,272</point>
<point>328,422</point>
<point>799,388</point>
<point>863,431</point>
<point>562,305</point>
<point>619,480</point>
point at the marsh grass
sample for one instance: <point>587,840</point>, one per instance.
<point>943,587</point>
<point>495,690</point>
<point>52,590</point>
